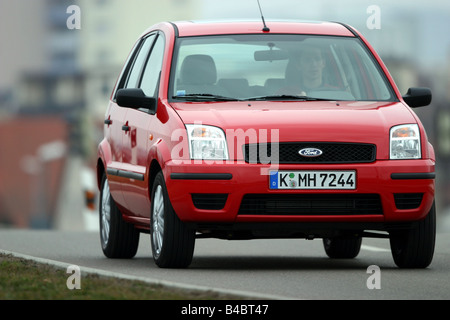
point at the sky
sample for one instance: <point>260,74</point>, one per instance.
<point>412,25</point>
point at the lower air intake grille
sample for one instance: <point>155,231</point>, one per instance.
<point>209,201</point>
<point>405,201</point>
<point>311,204</point>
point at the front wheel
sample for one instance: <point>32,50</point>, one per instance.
<point>172,241</point>
<point>414,248</point>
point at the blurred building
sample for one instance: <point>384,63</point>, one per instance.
<point>32,161</point>
<point>54,89</point>
<point>21,34</point>
<point>37,72</point>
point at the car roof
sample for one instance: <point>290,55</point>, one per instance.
<point>197,28</point>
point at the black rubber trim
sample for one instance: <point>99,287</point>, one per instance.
<point>126,174</point>
<point>201,176</point>
<point>175,28</point>
<point>413,176</point>
<point>111,171</point>
<point>348,28</point>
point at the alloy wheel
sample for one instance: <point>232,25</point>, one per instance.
<point>158,220</point>
<point>105,214</point>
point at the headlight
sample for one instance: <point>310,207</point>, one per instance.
<point>206,142</point>
<point>405,142</point>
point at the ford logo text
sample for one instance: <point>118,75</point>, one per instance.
<point>310,152</point>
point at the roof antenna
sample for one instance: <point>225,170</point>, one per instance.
<point>265,29</point>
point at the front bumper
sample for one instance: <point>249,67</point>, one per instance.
<point>213,192</point>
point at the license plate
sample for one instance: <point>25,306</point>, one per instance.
<point>311,180</point>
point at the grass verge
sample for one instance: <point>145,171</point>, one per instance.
<point>22,279</point>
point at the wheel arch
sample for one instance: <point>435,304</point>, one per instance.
<point>153,171</point>
<point>100,172</point>
<point>104,157</point>
<point>157,156</point>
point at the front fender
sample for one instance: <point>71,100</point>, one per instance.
<point>159,152</point>
<point>431,153</point>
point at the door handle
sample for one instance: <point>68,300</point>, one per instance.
<point>125,128</point>
<point>108,122</point>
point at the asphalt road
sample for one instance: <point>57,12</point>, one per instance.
<point>284,269</point>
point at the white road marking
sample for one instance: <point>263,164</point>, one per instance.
<point>374,249</point>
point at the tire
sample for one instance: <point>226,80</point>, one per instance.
<point>118,238</point>
<point>414,248</point>
<point>172,241</point>
<point>342,248</point>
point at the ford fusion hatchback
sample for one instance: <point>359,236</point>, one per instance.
<point>235,131</point>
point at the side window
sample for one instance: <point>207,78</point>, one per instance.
<point>150,78</point>
<point>136,68</point>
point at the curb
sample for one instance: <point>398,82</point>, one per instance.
<point>167,284</point>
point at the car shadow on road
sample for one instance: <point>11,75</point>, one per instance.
<point>285,263</point>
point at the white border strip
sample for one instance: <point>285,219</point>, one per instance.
<point>164,283</point>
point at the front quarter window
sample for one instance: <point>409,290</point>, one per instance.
<point>151,73</point>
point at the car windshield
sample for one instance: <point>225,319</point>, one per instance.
<point>276,67</point>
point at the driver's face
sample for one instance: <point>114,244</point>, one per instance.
<point>311,63</point>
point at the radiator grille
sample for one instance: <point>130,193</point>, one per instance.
<point>288,152</point>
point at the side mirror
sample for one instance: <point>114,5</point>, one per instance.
<point>135,99</point>
<point>418,97</point>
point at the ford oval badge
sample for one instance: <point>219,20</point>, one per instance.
<point>310,152</point>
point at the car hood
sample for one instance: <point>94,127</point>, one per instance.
<point>312,121</point>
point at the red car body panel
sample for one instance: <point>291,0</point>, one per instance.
<point>187,29</point>
<point>149,144</point>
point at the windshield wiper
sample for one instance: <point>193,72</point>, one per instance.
<point>204,97</point>
<point>287,97</point>
<point>214,97</point>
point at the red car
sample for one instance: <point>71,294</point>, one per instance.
<point>237,131</point>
